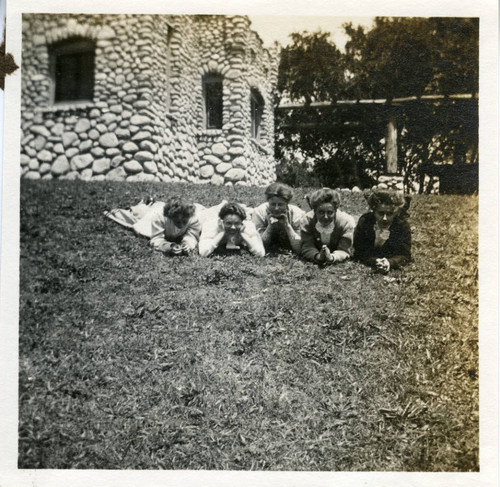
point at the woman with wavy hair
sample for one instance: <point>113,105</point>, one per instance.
<point>326,231</point>
<point>382,238</point>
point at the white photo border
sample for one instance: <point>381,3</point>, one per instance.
<point>487,11</point>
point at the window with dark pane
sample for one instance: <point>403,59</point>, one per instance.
<point>256,111</point>
<point>212,95</point>
<point>72,67</point>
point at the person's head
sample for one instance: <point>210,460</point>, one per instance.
<point>386,205</point>
<point>278,195</point>
<point>232,216</point>
<point>325,203</point>
<point>179,211</point>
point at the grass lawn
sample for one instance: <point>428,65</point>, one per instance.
<point>131,360</point>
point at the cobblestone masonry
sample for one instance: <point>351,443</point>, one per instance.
<point>146,120</point>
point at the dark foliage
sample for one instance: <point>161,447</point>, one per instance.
<point>398,57</point>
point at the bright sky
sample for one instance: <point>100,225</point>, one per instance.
<point>278,28</point>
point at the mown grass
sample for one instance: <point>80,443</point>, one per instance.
<point>132,360</point>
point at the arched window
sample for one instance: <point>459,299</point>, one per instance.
<point>212,96</point>
<point>72,69</point>
<point>256,111</point>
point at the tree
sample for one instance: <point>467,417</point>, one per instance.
<point>392,60</point>
<point>398,57</point>
<point>456,55</point>
<point>311,68</point>
<point>403,56</point>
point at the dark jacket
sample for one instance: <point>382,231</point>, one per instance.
<point>340,241</point>
<point>397,248</point>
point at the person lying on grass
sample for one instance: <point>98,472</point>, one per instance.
<point>175,231</point>
<point>326,232</point>
<point>382,238</point>
<point>230,232</point>
<point>278,222</point>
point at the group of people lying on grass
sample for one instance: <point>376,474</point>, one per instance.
<point>325,235</point>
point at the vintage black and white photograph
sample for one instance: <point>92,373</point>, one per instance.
<point>248,242</point>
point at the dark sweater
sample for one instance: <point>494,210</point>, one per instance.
<point>340,240</point>
<point>397,248</point>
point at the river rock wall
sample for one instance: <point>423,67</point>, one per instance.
<point>146,121</point>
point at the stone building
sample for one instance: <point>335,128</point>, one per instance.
<point>147,98</point>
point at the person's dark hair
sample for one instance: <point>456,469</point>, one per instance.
<point>232,209</point>
<point>324,195</point>
<point>280,190</point>
<point>384,197</point>
<point>177,206</point>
